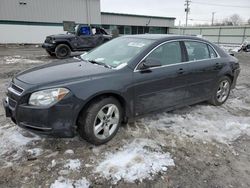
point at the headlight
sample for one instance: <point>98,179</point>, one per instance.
<point>47,97</point>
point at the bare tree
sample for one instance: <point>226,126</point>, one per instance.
<point>235,19</point>
<point>248,21</point>
<point>226,21</point>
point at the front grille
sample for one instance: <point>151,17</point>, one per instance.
<point>15,89</point>
<point>48,40</point>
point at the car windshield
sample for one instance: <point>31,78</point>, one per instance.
<point>118,52</point>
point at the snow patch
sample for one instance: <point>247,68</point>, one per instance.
<point>138,160</point>
<point>13,144</point>
<point>73,164</point>
<point>69,151</point>
<point>11,139</point>
<point>62,182</point>
<point>53,163</point>
<point>35,152</point>
<point>223,124</point>
<point>230,48</point>
<point>19,59</point>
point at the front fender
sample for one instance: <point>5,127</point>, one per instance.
<point>64,41</point>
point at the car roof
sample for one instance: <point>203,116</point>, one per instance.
<point>159,37</point>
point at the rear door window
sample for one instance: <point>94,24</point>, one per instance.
<point>197,50</point>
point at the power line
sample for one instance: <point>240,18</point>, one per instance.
<point>221,5</point>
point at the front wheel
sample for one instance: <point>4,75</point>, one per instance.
<point>101,121</point>
<point>62,51</point>
<point>222,91</point>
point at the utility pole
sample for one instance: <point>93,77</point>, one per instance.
<point>187,9</point>
<point>213,17</point>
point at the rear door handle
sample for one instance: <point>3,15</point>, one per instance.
<point>180,71</point>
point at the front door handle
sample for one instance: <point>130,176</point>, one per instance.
<point>180,71</point>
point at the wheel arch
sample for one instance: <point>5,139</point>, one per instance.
<point>230,76</point>
<point>99,96</point>
<point>66,43</point>
<point>227,71</point>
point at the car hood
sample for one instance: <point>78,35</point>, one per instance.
<point>62,36</point>
<point>61,71</point>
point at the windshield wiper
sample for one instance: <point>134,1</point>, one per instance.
<point>100,63</point>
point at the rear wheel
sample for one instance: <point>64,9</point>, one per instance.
<point>222,91</point>
<point>101,121</point>
<point>62,51</point>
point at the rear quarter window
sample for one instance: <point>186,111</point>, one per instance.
<point>197,50</point>
<point>212,52</point>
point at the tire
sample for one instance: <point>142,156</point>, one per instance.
<point>62,51</point>
<point>221,93</point>
<point>95,124</point>
<point>50,53</point>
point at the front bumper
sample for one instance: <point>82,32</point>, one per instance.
<point>56,121</point>
<point>49,46</point>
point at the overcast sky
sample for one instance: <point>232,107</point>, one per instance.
<point>201,10</point>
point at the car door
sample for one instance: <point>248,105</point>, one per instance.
<point>161,87</point>
<point>204,66</point>
<point>85,38</point>
<point>97,37</point>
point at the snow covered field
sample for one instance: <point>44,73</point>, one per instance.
<point>196,146</point>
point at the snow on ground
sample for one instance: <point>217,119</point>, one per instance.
<point>35,152</point>
<point>223,124</point>
<point>62,182</point>
<point>73,164</point>
<point>230,48</point>
<point>12,140</point>
<point>69,151</point>
<point>138,160</point>
<point>19,59</point>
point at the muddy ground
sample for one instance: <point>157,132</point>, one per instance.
<point>210,146</point>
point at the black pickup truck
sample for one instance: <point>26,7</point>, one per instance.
<point>84,38</point>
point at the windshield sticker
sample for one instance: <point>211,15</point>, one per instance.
<point>136,44</point>
<point>100,59</point>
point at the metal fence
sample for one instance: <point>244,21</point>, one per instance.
<point>231,35</point>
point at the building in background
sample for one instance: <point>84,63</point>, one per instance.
<point>136,24</point>
<point>30,21</point>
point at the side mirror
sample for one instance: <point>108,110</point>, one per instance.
<point>232,54</point>
<point>149,63</point>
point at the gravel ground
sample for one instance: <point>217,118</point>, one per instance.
<point>196,146</point>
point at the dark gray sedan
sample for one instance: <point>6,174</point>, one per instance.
<point>123,79</point>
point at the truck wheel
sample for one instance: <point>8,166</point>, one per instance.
<point>221,92</point>
<point>50,53</point>
<point>101,121</point>
<point>62,51</point>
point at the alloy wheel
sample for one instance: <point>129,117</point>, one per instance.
<point>106,121</point>
<point>223,91</point>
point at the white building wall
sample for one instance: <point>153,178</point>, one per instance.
<point>53,11</point>
<point>133,20</point>
<point>27,33</point>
